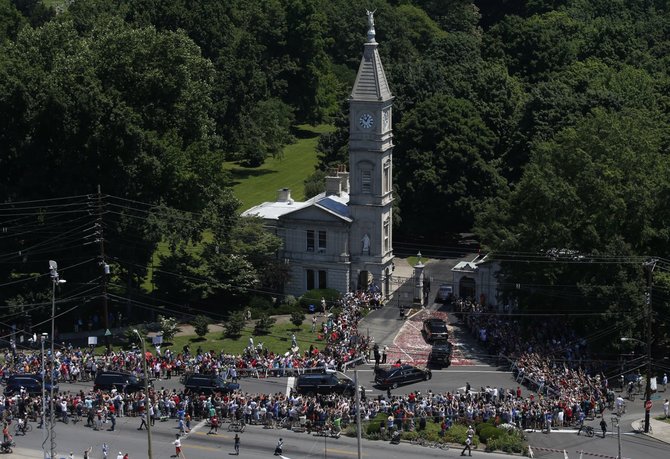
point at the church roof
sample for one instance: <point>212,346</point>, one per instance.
<point>333,204</point>
<point>371,81</point>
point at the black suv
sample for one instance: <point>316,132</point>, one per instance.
<point>32,384</point>
<point>435,329</point>
<point>207,384</point>
<point>324,383</point>
<point>440,355</point>
<point>123,382</point>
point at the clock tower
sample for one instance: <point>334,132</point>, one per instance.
<point>371,170</point>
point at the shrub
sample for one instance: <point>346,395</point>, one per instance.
<point>507,442</point>
<point>297,318</point>
<point>261,303</point>
<point>290,301</point>
<point>457,433</point>
<point>234,325</point>
<point>488,432</point>
<point>264,324</point>
<point>201,325</point>
<point>167,327</point>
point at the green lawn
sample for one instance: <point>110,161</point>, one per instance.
<point>278,340</point>
<point>254,185</point>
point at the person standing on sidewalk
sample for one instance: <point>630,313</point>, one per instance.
<point>603,426</point>
<point>385,351</point>
<point>666,408</point>
<point>237,445</point>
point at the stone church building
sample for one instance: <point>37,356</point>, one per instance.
<point>342,238</point>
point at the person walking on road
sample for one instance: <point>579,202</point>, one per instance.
<point>177,447</point>
<point>237,445</point>
<point>120,455</point>
<point>468,442</point>
<point>105,450</point>
<point>666,408</point>
<point>603,426</point>
<point>385,351</point>
<point>143,424</point>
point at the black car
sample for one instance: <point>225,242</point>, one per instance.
<point>404,374</point>
<point>440,355</point>
<point>121,381</point>
<point>32,384</point>
<point>435,330</point>
<point>324,383</point>
<point>207,384</point>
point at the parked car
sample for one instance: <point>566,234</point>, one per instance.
<point>32,384</point>
<point>119,380</point>
<point>435,330</point>
<point>325,383</point>
<point>445,294</point>
<point>440,355</point>
<point>398,376</point>
<point>208,384</point>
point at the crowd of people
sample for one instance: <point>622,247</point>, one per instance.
<point>550,360</point>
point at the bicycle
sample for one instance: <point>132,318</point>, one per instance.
<point>236,426</point>
<point>22,429</point>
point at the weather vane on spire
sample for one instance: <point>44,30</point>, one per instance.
<point>371,25</point>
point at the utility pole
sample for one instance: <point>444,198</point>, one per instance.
<point>358,414</point>
<point>105,270</point>
<point>45,434</point>
<point>649,267</point>
<point>55,280</point>
<point>615,422</point>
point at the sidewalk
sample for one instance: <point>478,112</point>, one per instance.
<point>659,430</point>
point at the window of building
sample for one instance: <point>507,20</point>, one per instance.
<point>310,279</point>
<point>322,241</point>
<point>366,181</point>
<point>387,235</point>
<point>310,240</point>
<point>322,280</point>
<point>387,176</point>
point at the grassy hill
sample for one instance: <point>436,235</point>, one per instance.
<point>254,185</point>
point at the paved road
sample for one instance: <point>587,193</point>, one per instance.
<point>256,442</point>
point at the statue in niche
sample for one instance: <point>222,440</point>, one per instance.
<point>366,244</point>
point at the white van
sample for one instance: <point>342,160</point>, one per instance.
<point>444,294</point>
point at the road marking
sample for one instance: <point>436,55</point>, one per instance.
<point>289,384</point>
<point>195,429</point>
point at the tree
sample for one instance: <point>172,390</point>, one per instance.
<point>297,318</point>
<point>264,324</point>
<point>168,327</point>
<point>234,325</point>
<point>593,193</point>
<point>444,155</point>
<point>201,325</point>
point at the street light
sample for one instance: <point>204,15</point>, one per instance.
<point>55,280</point>
<point>146,392</point>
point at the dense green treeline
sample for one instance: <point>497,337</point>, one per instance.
<point>540,124</point>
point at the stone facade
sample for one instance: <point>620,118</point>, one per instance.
<point>342,238</point>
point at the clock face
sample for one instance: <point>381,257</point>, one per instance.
<point>386,119</point>
<point>366,121</point>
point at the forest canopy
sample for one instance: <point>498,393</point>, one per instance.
<point>539,124</point>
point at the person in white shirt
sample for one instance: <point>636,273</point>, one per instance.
<point>120,455</point>
<point>666,408</point>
